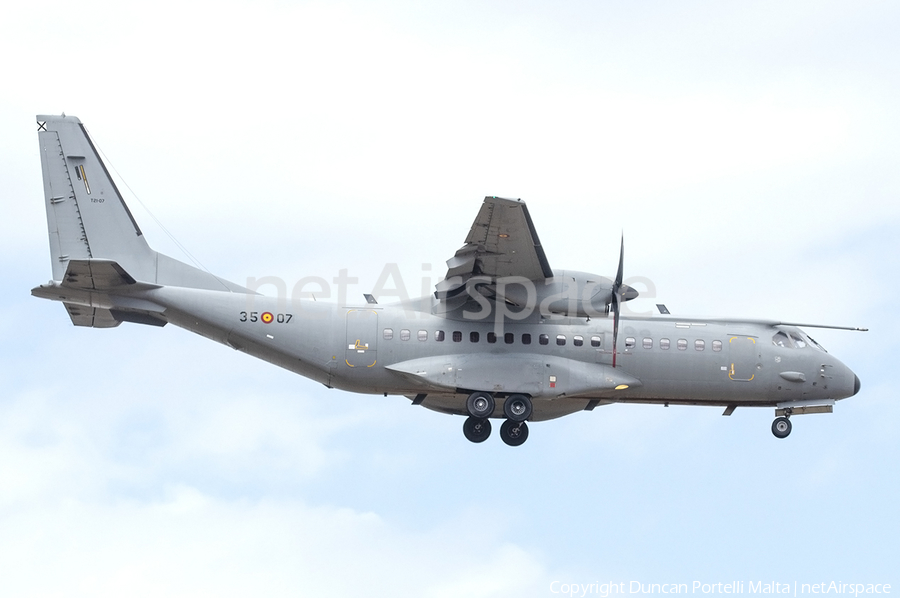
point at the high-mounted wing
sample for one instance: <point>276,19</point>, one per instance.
<point>501,243</point>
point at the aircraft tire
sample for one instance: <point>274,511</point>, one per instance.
<point>476,429</point>
<point>517,407</point>
<point>480,405</point>
<point>781,427</point>
<point>514,433</point>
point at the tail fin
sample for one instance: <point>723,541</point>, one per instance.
<point>88,219</point>
<point>86,215</point>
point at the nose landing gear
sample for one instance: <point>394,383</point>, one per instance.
<point>781,427</point>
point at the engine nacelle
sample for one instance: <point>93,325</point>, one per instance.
<point>567,293</point>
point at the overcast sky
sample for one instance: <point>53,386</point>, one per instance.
<point>747,150</point>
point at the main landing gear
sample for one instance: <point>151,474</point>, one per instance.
<point>480,406</point>
<point>513,433</point>
<point>476,430</point>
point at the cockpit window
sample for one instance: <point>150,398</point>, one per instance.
<point>814,344</point>
<point>796,339</point>
<point>781,340</point>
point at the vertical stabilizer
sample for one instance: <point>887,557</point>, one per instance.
<point>89,222</point>
<point>86,215</point>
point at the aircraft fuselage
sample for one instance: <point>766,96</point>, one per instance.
<point>560,362</point>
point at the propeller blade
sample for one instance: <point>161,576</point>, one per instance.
<point>617,298</point>
<point>621,270</point>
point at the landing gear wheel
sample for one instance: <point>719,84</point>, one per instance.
<point>781,427</point>
<point>476,429</point>
<point>514,433</point>
<point>517,407</point>
<point>480,405</point>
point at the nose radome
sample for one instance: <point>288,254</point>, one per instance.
<point>855,384</point>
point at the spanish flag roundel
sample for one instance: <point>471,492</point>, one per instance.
<point>267,317</point>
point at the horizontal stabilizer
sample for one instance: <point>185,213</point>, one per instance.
<point>98,317</point>
<point>89,292</point>
<point>96,275</point>
<point>92,317</point>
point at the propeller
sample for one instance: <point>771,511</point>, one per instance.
<point>617,297</point>
<point>620,292</point>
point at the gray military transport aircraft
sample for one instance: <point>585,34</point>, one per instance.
<point>503,336</point>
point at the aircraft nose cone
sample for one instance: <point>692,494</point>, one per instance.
<point>855,384</point>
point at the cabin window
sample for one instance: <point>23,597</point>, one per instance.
<point>404,335</point>
<point>682,344</point>
<point>647,343</point>
<point>717,346</point>
<point>438,335</point>
<point>595,341</point>
<point>457,336</point>
<point>388,334</point>
<point>781,340</point>
<point>629,343</point>
<point>422,335</point>
<point>491,337</point>
<point>544,339</point>
<point>798,342</point>
<point>577,340</point>
<point>526,339</point>
<point>561,339</point>
<point>509,338</point>
<point>699,345</point>
<point>473,337</point>
<point>664,344</point>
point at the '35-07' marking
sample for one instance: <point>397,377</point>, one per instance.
<point>265,317</point>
